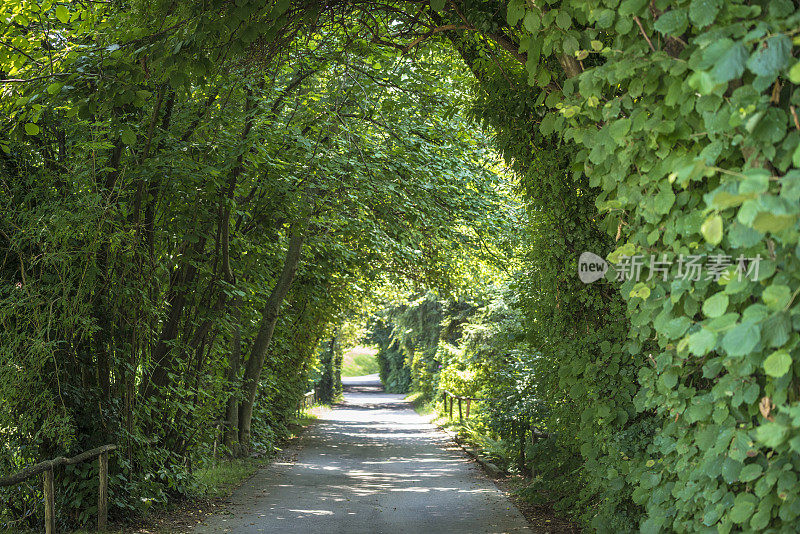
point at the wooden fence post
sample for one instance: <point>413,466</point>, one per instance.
<point>102,500</point>
<point>460,415</point>
<point>469,401</point>
<point>451,407</point>
<point>49,503</point>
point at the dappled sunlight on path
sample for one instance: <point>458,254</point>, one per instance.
<point>370,465</point>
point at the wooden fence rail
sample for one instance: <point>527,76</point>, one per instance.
<point>520,427</point>
<point>46,468</point>
<point>308,400</point>
<point>453,397</point>
<point>536,432</point>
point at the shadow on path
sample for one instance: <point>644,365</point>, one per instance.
<point>370,465</point>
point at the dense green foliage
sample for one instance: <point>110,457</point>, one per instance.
<point>188,210</point>
<point>173,195</point>
<point>671,128</point>
<point>684,122</point>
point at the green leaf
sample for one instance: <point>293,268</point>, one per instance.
<point>515,12</point>
<point>796,156</point>
<point>761,519</point>
<point>770,56</point>
<point>128,136</point>
<point>743,508</point>
<point>702,341</point>
<point>437,5</point>
<point>664,200</point>
<point>640,290</point>
<point>676,327</point>
<point>619,129</point>
<point>790,185</point>
<point>31,129</point>
<point>563,20</point>
<point>769,222</point>
<point>716,305</point>
<point>723,200</point>
<point>771,434</point>
<point>669,379</point>
<point>712,229</point>
<point>281,7</point>
<point>632,7</point>
<point>776,296</point>
<point>778,363</point>
<point>703,82</point>
<point>62,13</point>
<point>756,181</point>
<point>776,329</point>
<point>532,22</point>
<point>794,73</point>
<point>673,22</point>
<point>731,63</point>
<point>741,339</point>
<point>750,472</point>
<point>703,12</point>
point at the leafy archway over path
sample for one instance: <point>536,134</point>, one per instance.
<point>668,128</point>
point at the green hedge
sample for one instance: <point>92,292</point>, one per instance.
<point>682,115</point>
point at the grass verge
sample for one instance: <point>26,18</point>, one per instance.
<point>215,484</point>
<point>360,361</point>
<point>421,406</point>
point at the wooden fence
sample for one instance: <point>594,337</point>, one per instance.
<point>521,427</point>
<point>308,400</point>
<point>46,469</point>
<point>536,432</point>
<point>453,398</point>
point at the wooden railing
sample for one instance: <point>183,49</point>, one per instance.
<point>308,400</point>
<point>46,468</point>
<point>453,397</point>
<point>536,432</point>
<point>522,427</point>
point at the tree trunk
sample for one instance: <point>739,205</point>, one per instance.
<point>162,363</point>
<point>231,436</point>
<point>329,383</point>
<point>269,318</point>
<point>102,305</point>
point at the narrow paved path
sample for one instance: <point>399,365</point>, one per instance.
<point>370,465</point>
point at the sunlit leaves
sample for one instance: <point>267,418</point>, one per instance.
<point>712,229</point>
<point>741,339</point>
<point>778,363</point>
<point>776,296</point>
<point>719,124</point>
<point>62,13</point>
<point>716,305</point>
